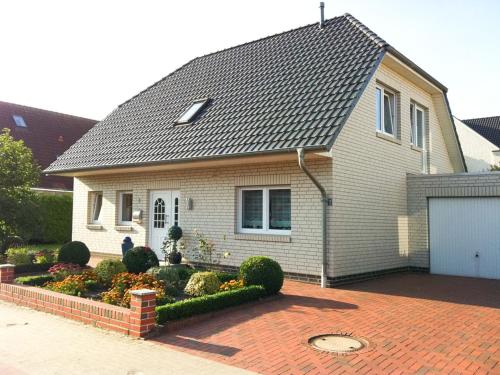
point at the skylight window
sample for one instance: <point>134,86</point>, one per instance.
<point>192,111</point>
<point>19,120</point>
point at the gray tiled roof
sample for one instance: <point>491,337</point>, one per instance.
<point>294,89</point>
<point>488,127</point>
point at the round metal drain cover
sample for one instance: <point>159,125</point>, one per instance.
<point>337,343</point>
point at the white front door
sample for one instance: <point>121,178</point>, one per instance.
<point>465,236</point>
<point>163,213</point>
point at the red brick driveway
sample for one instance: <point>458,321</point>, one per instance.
<point>414,323</point>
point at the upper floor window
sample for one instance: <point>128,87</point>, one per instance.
<point>125,207</point>
<point>265,210</point>
<point>192,111</point>
<point>385,111</point>
<point>19,120</point>
<point>417,118</point>
<point>96,208</point>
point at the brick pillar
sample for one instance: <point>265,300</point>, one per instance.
<point>142,312</point>
<point>6,273</point>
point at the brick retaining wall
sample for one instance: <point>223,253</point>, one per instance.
<point>137,321</point>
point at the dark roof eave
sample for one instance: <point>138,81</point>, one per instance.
<point>416,68</point>
<point>187,160</point>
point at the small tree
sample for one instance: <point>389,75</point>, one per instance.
<point>206,252</point>
<point>18,174</point>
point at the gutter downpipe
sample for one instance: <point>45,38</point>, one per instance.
<point>324,200</point>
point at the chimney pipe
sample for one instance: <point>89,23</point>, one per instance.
<point>322,11</point>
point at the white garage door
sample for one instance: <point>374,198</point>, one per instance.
<point>465,236</point>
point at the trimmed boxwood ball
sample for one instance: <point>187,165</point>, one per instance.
<point>75,252</point>
<point>259,270</point>
<point>175,233</point>
<point>140,259</point>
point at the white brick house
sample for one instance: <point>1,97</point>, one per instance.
<point>213,147</point>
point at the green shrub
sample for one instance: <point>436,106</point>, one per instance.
<point>92,285</point>
<point>185,272</point>
<point>205,304</point>
<point>202,283</point>
<point>259,270</point>
<point>140,259</point>
<point>74,252</point>
<point>55,216</point>
<point>32,268</point>
<point>166,273</point>
<point>37,280</point>
<point>107,269</point>
<point>225,276</point>
<point>20,255</point>
<point>170,277</point>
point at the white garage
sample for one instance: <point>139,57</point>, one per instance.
<point>464,236</point>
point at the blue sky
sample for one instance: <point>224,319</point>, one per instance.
<point>86,57</point>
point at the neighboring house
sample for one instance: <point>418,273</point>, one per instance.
<point>214,147</point>
<point>480,140</point>
<point>48,134</point>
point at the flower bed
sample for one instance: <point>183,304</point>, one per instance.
<point>126,302</point>
<point>137,321</point>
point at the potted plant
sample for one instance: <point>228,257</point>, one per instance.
<point>170,245</point>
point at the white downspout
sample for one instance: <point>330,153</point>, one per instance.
<point>324,200</point>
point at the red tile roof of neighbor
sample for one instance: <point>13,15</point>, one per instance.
<point>47,133</point>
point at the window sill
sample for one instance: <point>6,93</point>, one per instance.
<point>124,228</point>
<point>263,237</point>
<point>389,138</point>
<point>416,148</point>
<point>94,226</point>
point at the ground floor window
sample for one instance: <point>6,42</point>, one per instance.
<point>125,212</point>
<point>265,210</point>
<point>96,205</point>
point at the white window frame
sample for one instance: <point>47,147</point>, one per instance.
<point>120,207</point>
<point>384,91</point>
<point>19,121</point>
<point>200,104</point>
<point>414,135</point>
<point>265,211</point>
<point>94,196</point>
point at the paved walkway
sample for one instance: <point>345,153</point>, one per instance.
<point>32,342</point>
<point>414,323</point>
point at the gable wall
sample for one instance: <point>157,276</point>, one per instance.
<point>369,230</point>
<point>213,192</point>
<point>478,151</point>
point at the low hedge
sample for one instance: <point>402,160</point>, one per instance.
<point>37,280</point>
<point>205,304</point>
<point>32,268</point>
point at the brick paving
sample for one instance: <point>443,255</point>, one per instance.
<point>415,323</point>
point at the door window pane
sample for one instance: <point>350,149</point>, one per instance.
<point>159,214</point>
<point>176,211</point>
<point>126,207</point>
<point>279,209</point>
<point>252,209</point>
